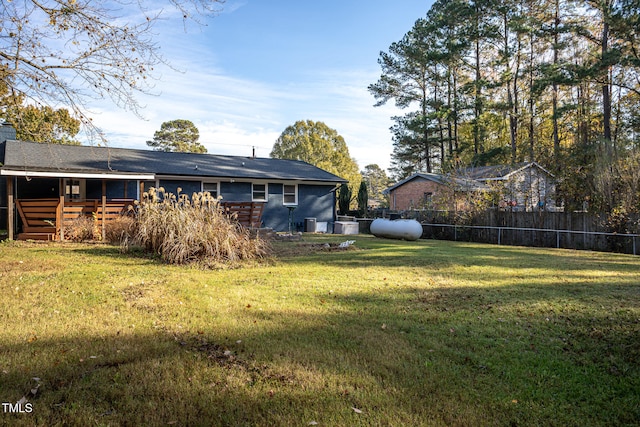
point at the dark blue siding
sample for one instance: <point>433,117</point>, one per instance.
<point>187,187</point>
<point>115,189</point>
<point>314,201</point>
<point>235,191</point>
<point>36,188</point>
<point>276,215</point>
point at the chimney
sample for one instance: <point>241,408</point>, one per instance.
<point>7,131</point>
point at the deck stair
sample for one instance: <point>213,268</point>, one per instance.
<point>38,218</point>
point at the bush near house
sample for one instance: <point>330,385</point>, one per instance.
<point>182,230</point>
<point>81,229</point>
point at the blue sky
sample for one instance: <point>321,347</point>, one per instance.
<point>259,66</point>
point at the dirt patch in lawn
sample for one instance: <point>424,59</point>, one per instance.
<point>292,249</point>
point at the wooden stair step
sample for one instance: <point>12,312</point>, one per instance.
<point>36,236</point>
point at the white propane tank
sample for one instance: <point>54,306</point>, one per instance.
<point>407,229</point>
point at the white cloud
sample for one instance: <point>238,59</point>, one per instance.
<point>235,113</point>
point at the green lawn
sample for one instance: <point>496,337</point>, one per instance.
<point>388,333</point>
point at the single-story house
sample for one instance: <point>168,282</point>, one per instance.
<point>522,186</point>
<point>431,191</point>
<point>92,179</point>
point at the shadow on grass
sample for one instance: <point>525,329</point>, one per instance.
<point>437,355</point>
<point>394,253</point>
<point>404,354</point>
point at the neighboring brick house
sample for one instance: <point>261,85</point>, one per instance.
<point>523,186</point>
<point>430,191</point>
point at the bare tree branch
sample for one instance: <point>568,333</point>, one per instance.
<point>64,53</point>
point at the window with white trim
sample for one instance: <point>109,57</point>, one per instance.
<point>290,194</point>
<point>259,192</point>
<point>211,187</point>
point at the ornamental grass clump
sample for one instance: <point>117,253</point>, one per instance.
<point>182,230</point>
<point>120,230</point>
<point>81,229</point>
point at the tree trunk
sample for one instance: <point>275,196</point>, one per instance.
<point>554,92</point>
<point>606,88</point>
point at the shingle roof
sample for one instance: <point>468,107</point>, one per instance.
<point>499,172</point>
<point>29,156</point>
<point>462,184</point>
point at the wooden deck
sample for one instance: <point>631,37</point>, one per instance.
<point>248,214</point>
<point>42,218</point>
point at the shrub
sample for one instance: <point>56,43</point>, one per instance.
<point>363,199</point>
<point>344,199</point>
<point>80,229</point>
<point>183,230</point>
<point>120,230</point>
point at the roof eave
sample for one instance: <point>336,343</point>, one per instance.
<point>77,174</point>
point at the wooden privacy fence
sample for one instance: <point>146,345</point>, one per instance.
<point>569,239</point>
<point>574,230</point>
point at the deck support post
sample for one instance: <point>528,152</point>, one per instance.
<point>60,210</point>
<point>10,208</point>
<point>104,207</point>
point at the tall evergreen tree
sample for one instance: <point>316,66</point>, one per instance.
<point>485,82</point>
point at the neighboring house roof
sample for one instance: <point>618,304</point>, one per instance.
<point>499,172</point>
<point>462,184</point>
<point>31,158</point>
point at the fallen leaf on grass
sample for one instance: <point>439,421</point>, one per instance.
<point>356,410</point>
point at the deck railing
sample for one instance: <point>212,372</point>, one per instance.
<point>42,219</point>
<point>248,214</point>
